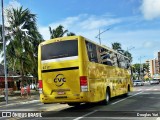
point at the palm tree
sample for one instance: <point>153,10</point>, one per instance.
<point>116,46</point>
<point>23,43</point>
<point>58,32</point>
<point>128,54</point>
<point>71,34</point>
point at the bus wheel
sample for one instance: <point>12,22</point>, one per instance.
<point>107,98</point>
<point>74,104</point>
<point>128,90</point>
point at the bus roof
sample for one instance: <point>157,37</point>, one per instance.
<point>74,37</point>
<point>106,47</point>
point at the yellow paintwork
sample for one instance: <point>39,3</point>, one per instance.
<point>99,77</point>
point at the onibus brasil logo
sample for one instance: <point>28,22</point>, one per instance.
<point>59,80</point>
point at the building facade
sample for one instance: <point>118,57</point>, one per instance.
<point>154,66</point>
<point>159,62</point>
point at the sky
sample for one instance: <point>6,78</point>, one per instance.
<point>133,23</point>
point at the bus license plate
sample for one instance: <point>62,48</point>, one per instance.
<point>61,93</point>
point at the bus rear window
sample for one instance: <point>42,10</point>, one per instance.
<point>60,49</point>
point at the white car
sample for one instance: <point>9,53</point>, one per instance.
<point>138,83</point>
<point>154,81</point>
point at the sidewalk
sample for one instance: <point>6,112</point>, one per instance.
<point>16,98</point>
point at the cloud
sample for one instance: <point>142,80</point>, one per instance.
<point>145,41</point>
<point>44,32</point>
<point>148,44</point>
<point>150,9</point>
<point>67,22</point>
<point>10,5</point>
<point>81,23</point>
<point>95,22</point>
<point>13,4</point>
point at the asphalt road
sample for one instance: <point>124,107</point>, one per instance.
<point>142,104</point>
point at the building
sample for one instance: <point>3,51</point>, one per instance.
<point>153,67</point>
<point>159,61</point>
<point>10,80</point>
<point>14,80</point>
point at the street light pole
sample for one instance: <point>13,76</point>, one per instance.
<point>4,50</point>
<point>99,37</point>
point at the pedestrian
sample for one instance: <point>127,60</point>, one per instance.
<point>22,91</point>
<point>28,91</point>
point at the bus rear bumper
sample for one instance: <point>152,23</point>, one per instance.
<point>62,99</point>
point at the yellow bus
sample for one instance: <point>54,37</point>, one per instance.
<point>75,70</point>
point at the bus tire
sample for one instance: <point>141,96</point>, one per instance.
<point>47,103</point>
<point>128,90</point>
<point>74,104</point>
<point>107,98</point>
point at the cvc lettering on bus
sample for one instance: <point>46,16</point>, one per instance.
<point>59,80</point>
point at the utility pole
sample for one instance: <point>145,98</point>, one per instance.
<point>99,35</point>
<point>4,50</point>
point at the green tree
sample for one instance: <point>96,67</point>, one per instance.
<point>58,32</point>
<point>145,67</point>
<point>71,34</point>
<point>128,54</point>
<point>136,68</point>
<point>22,48</point>
<point>116,46</point>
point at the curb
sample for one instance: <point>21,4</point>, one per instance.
<point>2,99</point>
<point>20,103</point>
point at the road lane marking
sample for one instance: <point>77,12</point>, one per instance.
<point>78,118</point>
<point>59,107</point>
<point>149,89</point>
<point>140,90</point>
<point>155,89</point>
<point>126,98</point>
<point>158,118</point>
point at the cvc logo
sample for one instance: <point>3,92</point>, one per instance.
<point>59,80</point>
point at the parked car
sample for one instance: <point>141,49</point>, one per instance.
<point>138,83</point>
<point>154,81</point>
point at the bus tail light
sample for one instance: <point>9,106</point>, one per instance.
<point>83,83</point>
<point>40,86</point>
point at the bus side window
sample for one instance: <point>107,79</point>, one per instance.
<point>114,59</point>
<point>92,55</point>
<point>107,63</point>
<point>106,59</point>
<point>89,47</point>
<point>91,51</point>
<point>121,62</point>
<point>127,63</point>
